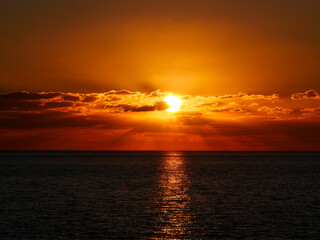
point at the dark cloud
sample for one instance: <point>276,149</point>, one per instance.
<point>310,111</point>
<point>32,101</point>
<point>71,97</point>
<point>24,95</point>
<point>310,94</point>
<point>57,119</point>
<point>162,105</point>
<point>114,99</point>
<point>57,104</point>
<point>159,106</point>
<point>6,105</point>
<point>89,98</point>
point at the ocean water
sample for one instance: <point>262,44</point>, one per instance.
<point>159,195</point>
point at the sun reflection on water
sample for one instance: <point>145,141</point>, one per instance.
<point>173,198</point>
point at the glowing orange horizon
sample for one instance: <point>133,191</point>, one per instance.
<point>128,120</point>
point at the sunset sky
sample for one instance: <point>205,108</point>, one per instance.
<point>93,75</point>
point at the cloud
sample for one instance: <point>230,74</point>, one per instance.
<point>89,98</point>
<point>242,101</point>
<point>310,111</point>
<point>121,92</point>
<point>158,106</point>
<point>273,97</point>
<point>58,119</point>
<point>275,110</point>
<point>24,95</point>
<point>229,109</point>
<point>310,94</point>
<point>156,93</point>
<point>227,122</point>
<point>71,97</point>
<point>207,104</point>
<point>118,101</point>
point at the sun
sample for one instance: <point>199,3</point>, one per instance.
<point>174,103</point>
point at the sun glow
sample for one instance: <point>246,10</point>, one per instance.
<point>174,103</point>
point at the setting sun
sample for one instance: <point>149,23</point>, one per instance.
<point>174,103</point>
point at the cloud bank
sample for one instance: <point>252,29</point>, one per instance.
<point>127,120</point>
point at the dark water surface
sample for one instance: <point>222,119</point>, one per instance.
<point>159,195</point>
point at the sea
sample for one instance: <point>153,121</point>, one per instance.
<point>159,195</point>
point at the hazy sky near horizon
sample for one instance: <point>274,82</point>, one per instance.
<point>188,47</point>
<point>93,75</point>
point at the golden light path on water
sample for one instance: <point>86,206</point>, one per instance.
<point>174,201</point>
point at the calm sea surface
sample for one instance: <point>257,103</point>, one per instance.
<point>159,195</point>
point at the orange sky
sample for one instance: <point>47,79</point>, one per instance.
<point>247,73</point>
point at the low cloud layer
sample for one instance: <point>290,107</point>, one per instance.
<point>133,120</point>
